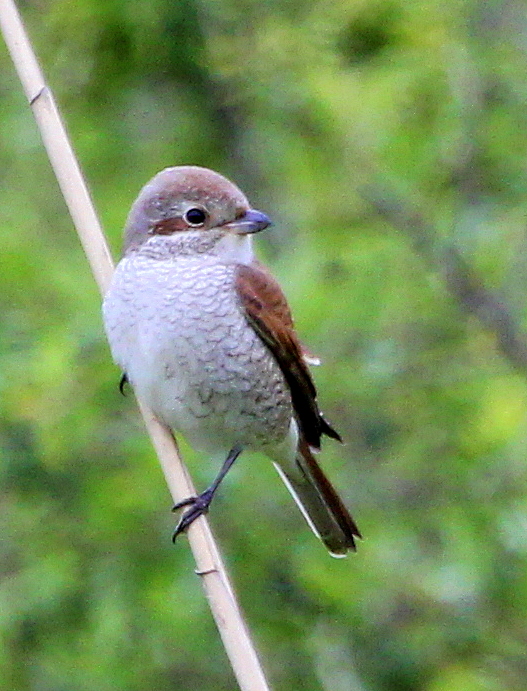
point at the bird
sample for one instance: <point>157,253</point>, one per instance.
<point>203,332</point>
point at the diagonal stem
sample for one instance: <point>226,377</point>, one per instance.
<point>220,595</point>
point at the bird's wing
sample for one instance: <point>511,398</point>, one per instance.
<point>267,311</point>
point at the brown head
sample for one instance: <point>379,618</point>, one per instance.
<point>189,198</point>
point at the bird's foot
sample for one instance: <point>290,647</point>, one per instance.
<point>198,506</point>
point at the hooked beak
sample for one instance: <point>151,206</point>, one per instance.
<point>252,221</point>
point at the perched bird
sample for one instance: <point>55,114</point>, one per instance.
<point>204,334</point>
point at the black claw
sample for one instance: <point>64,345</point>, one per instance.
<point>198,506</point>
<point>185,502</point>
<point>122,383</point>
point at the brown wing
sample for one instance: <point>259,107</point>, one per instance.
<point>267,311</point>
<point>275,299</point>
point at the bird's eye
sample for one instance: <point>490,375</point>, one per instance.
<point>195,217</point>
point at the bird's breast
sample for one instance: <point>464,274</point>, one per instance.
<point>178,331</point>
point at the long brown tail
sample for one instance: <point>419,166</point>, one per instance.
<point>319,502</point>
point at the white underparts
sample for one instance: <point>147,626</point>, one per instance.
<point>236,249</point>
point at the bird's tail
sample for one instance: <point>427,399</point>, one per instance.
<point>319,502</point>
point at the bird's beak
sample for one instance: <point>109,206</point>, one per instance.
<point>252,221</point>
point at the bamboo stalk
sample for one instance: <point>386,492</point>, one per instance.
<point>219,592</point>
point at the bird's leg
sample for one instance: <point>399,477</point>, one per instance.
<point>200,504</point>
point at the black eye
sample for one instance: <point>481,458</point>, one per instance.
<point>195,217</point>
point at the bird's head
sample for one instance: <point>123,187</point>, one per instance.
<point>189,200</point>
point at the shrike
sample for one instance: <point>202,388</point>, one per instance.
<point>204,334</point>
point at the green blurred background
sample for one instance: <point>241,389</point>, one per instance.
<point>326,114</point>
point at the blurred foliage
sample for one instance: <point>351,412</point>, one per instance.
<point>302,103</point>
